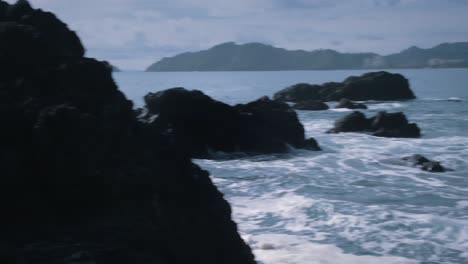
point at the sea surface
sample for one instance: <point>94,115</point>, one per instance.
<point>351,202</point>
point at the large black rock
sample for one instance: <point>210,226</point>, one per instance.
<point>370,86</point>
<point>82,180</point>
<point>382,125</point>
<point>203,125</point>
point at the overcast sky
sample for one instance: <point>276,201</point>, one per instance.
<point>132,34</point>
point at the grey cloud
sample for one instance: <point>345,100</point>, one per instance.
<point>370,37</point>
<point>336,42</point>
<point>134,33</point>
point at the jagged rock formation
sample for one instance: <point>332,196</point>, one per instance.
<point>382,125</point>
<point>202,125</point>
<point>370,86</point>
<point>82,180</point>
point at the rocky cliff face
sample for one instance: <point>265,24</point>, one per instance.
<point>82,180</point>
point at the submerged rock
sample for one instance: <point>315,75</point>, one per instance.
<point>346,103</point>
<point>201,124</point>
<point>370,86</point>
<point>311,105</point>
<point>425,163</point>
<point>382,125</point>
<point>82,180</point>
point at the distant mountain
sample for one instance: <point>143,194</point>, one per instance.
<point>261,57</point>
<point>445,55</point>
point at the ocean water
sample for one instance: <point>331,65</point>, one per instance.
<point>351,202</point>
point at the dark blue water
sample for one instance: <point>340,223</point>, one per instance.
<point>350,203</point>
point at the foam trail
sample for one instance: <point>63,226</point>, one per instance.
<point>285,249</point>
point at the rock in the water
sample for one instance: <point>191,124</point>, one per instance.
<point>82,180</point>
<point>425,163</point>
<point>370,86</point>
<point>354,122</point>
<point>393,125</point>
<point>382,125</point>
<point>310,144</point>
<point>346,103</point>
<point>406,131</point>
<point>202,125</point>
<point>311,105</point>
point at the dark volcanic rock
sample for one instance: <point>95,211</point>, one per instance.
<point>382,125</point>
<point>201,125</point>
<point>354,122</point>
<point>346,103</point>
<point>393,125</point>
<point>82,180</point>
<point>271,122</point>
<point>424,163</point>
<point>370,86</point>
<point>311,105</point>
<point>310,144</point>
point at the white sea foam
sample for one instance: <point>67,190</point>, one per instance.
<point>345,204</point>
<point>287,249</point>
<point>341,110</point>
<point>462,204</point>
<point>450,99</point>
<point>386,106</point>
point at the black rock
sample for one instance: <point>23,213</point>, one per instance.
<point>273,121</point>
<point>393,125</point>
<point>425,164</point>
<point>82,179</point>
<point>310,144</point>
<point>311,105</point>
<point>433,166</point>
<point>406,131</point>
<point>416,159</point>
<point>388,120</point>
<point>382,125</point>
<point>203,125</point>
<point>370,86</point>
<point>346,103</point>
<point>354,122</point>
<point>299,92</point>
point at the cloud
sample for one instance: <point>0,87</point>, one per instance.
<point>336,42</point>
<point>135,33</point>
<point>370,37</point>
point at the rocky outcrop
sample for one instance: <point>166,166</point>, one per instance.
<point>393,125</point>
<point>370,86</point>
<point>425,163</point>
<point>346,103</point>
<point>82,180</point>
<point>382,125</point>
<point>354,122</point>
<point>311,105</point>
<point>203,125</point>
